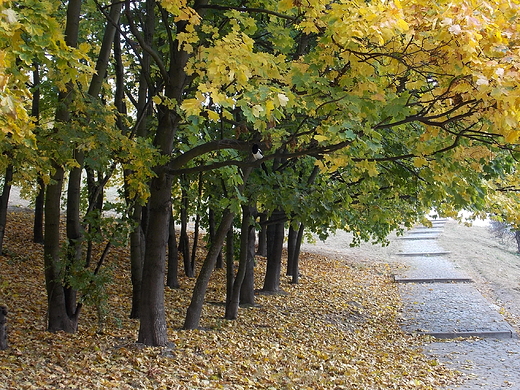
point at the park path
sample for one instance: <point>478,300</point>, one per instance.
<point>440,300</point>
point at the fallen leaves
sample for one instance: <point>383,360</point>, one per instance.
<point>337,329</point>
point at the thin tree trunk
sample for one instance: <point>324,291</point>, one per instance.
<point>184,240</point>
<point>247,292</point>
<point>275,235</point>
<point>38,212</point>
<point>234,301</point>
<point>40,197</point>
<point>4,202</point>
<point>291,244</point>
<point>243,285</point>
<point>262,236</point>
<point>3,328</point>
<point>194,311</point>
<point>295,270</point>
<point>137,249</point>
<point>212,228</point>
<point>172,279</point>
<point>230,263</point>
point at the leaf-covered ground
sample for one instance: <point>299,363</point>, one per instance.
<point>337,329</point>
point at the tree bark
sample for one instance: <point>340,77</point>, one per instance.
<point>275,235</point>
<point>295,266</point>
<point>194,311</point>
<point>58,316</point>
<point>40,197</point>
<point>184,240</point>
<point>4,202</point>
<point>291,244</point>
<point>212,228</point>
<point>38,212</point>
<point>247,292</point>
<point>230,262</point>
<point>137,250</point>
<point>152,330</point>
<point>262,236</point>
<point>234,302</point>
<point>172,279</point>
<point>3,328</point>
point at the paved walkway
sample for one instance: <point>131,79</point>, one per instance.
<point>440,300</point>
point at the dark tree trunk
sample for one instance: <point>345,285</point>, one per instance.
<point>195,309</point>
<point>212,228</point>
<point>247,292</point>
<point>291,244</point>
<point>58,316</point>
<point>517,238</point>
<point>40,197</point>
<point>184,240</point>
<point>152,330</point>
<point>172,279</point>
<point>262,236</point>
<point>275,235</point>
<point>197,225</point>
<point>4,202</point>
<point>139,214</point>
<point>295,262</point>
<point>74,228</point>
<point>230,263</point>
<point>3,328</point>
<point>38,213</point>
<point>234,301</point>
<point>137,249</point>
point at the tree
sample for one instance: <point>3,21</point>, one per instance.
<point>396,103</point>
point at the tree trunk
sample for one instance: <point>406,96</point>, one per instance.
<point>38,212</point>
<point>40,197</point>
<point>517,238</point>
<point>291,244</point>
<point>295,266</point>
<point>3,328</point>
<point>194,311</point>
<point>247,292</point>
<point>139,214</point>
<point>275,235</point>
<point>137,250</point>
<point>152,330</point>
<point>4,202</point>
<point>172,280</point>
<point>234,301</point>
<point>262,236</point>
<point>230,263</point>
<point>74,228</point>
<point>212,228</point>
<point>58,316</point>
<point>184,240</point>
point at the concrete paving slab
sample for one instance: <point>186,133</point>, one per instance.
<point>451,310</point>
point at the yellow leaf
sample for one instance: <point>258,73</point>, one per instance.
<point>214,116</point>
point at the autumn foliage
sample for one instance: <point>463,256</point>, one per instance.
<point>337,329</point>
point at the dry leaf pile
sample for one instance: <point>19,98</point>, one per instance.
<point>337,329</point>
